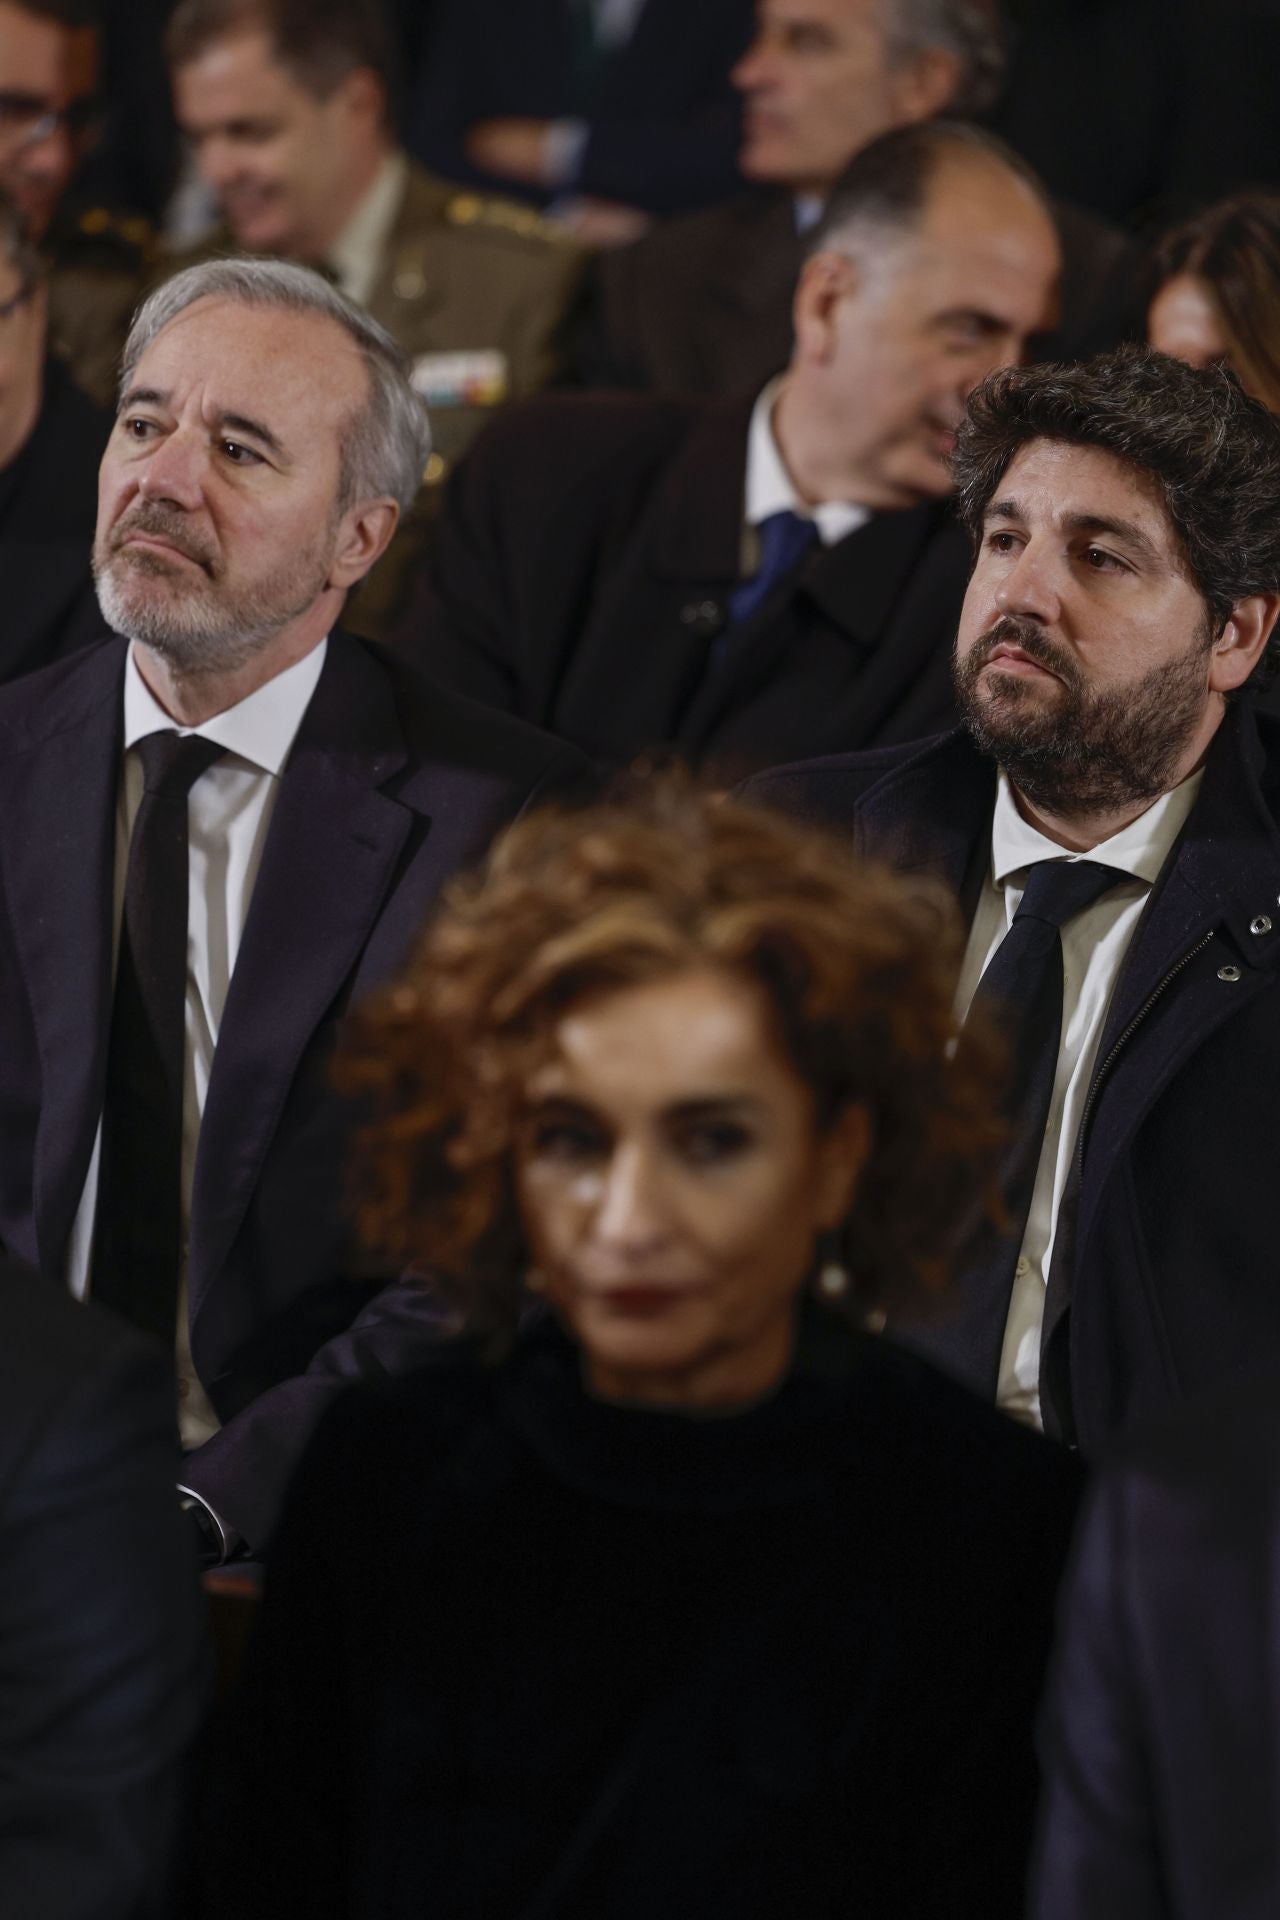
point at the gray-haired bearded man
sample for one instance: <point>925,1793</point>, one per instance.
<point>174,1146</point>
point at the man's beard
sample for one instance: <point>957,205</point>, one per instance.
<point>1071,750</point>
<point>197,626</point>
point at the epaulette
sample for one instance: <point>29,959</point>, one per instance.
<point>95,227</point>
<point>507,216</point>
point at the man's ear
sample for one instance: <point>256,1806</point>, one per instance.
<point>363,96</point>
<point>923,85</point>
<point>364,534</point>
<point>824,282</point>
<point>1239,647</point>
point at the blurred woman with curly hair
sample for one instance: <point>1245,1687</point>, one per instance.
<point>679,1593</point>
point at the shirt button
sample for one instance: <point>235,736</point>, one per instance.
<point>1022,1269</point>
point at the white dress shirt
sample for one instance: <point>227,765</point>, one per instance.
<point>770,489</point>
<point>1094,944</point>
<point>356,256</point>
<point>228,813</point>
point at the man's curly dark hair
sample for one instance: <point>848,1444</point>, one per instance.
<point>1212,453</point>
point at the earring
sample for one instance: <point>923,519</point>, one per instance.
<point>833,1280</point>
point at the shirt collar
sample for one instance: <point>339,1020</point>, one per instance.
<point>1140,849</point>
<point>769,486</point>
<point>260,728</point>
<point>356,254</point>
<point>809,209</point>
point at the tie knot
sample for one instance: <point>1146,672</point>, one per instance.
<point>784,539</point>
<point>1059,889</point>
<point>173,762</point>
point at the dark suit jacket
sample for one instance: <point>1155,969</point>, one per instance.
<point>1170,1285</point>
<point>1160,1742</point>
<point>599,1662</point>
<point>702,305</point>
<point>391,787</point>
<point>663,119</point>
<point>48,509</point>
<point>102,1654</point>
<point>585,558</point>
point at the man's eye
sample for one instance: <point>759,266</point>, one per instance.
<point>138,429</point>
<point>241,456</point>
<point>1002,542</point>
<point>712,1144</point>
<point>1100,561</point>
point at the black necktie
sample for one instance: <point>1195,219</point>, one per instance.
<point>1022,989</point>
<point>138,1231</point>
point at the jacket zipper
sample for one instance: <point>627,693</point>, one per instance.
<point>1123,1039</point>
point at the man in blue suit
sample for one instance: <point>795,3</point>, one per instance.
<point>1126,519</point>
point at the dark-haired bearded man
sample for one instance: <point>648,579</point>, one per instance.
<point>1126,584</point>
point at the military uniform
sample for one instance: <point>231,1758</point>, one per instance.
<point>98,263</point>
<point>478,293</point>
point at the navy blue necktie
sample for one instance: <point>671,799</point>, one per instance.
<point>137,1253</point>
<point>785,538</point>
<point>1022,990</point>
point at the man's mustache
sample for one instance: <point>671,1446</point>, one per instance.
<point>167,524</point>
<point>1009,631</point>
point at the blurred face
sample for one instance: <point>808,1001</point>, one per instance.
<point>819,84</point>
<point>1184,322</point>
<point>218,525</point>
<point>48,82</point>
<point>278,159</point>
<point>898,337</point>
<point>672,1184</point>
<point>1085,659</point>
<point>22,342</point>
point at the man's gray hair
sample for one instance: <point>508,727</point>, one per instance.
<point>969,29</point>
<point>388,440</point>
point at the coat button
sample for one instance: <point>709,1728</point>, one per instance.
<point>1228,973</point>
<point>703,617</point>
<point>1261,925</point>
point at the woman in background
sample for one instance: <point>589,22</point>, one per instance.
<point>1215,292</point>
<point>686,1595</point>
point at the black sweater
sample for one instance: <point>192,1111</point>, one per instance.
<point>528,1656</point>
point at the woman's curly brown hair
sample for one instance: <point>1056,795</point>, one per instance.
<point>858,964</point>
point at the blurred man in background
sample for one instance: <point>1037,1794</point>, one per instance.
<point>49,116</point>
<point>703,304</point>
<point>777,575</point>
<point>51,440</point>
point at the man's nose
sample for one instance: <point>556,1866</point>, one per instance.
<point>631,1216</point>
<point>1029,587</point>
<point>174,471</point>
<point>755,67</point>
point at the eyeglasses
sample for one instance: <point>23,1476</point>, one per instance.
<point>26,119</point>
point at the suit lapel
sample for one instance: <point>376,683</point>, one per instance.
<point>60,792</point>
<point>899,820</point>
<point>670,603</point>
<point>854,585</point>
<point>1223,876</point>
<point>331,853</point>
